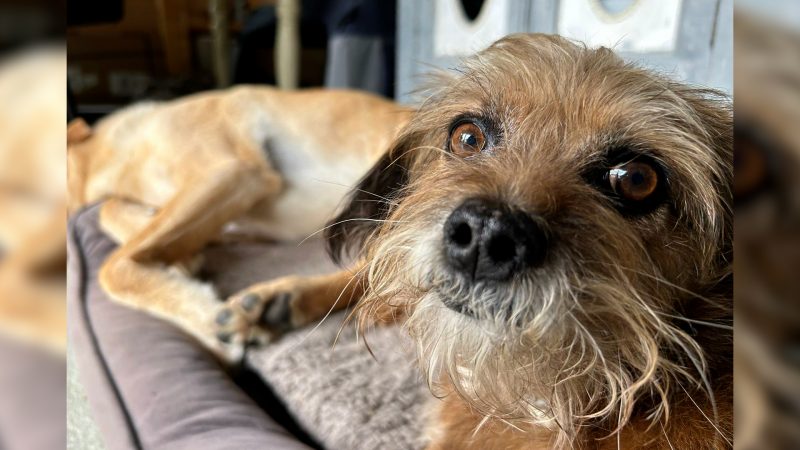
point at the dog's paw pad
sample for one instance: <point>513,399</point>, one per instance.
<point>230,326</point>
<point>223,317</point>
<point>253,319</point>
<point>250,302</point>
<point>249,306</point>
<point>277,314</point>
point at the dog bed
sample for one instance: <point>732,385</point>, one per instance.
<point>151,386</point>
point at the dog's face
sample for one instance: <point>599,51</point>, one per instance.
<point>547,214</point>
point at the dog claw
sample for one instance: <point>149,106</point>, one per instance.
<point>278,313</point>
<point>224,337</point>
<point>258,340</point>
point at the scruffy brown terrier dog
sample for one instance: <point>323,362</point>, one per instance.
<point>554,225</point>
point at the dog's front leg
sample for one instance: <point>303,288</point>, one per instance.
<point>264,311</point>
<point>458,426</point>
<point>143,273</point>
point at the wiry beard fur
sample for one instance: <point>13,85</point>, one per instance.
<point>560,347</point>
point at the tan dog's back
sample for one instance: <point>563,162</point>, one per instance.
<point>247,162</point>
<point>319,141</point>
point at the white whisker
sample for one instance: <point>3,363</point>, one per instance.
<point>356,189</point>
<point>665,436</point>
<point>713,424</point>
<point>341,222</point>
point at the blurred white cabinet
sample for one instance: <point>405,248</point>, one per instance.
<point>689,40</point>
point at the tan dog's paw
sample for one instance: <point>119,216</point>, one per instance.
<point>258,315</point>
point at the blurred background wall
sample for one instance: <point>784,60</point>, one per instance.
<point>691,40</point>
<point>126,50</point>
<point>167,48</point>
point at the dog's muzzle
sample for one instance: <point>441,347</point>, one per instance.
<point>488,241</point>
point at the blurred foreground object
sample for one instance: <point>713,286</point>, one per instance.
<point>32,248</point>
<point>32,196</point>
<point>767,240</point>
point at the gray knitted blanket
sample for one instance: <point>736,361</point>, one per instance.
<point>341,395</point>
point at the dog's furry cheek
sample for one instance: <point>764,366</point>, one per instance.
<point>416,253</point>
<point>425,259</point>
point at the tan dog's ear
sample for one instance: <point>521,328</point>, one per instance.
<point>78,131</point>
<point>370,202</point>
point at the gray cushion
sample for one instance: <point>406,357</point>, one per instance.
<point>150,385</point>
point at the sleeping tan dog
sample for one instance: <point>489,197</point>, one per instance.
<point>248,162</point>
<point>554,224</point>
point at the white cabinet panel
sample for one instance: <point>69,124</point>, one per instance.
<point>644,26</point>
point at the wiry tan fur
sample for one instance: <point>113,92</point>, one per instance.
<point>623,336</point>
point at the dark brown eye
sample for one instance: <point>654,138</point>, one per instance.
<point>467,139</point>
<point>634,180</point>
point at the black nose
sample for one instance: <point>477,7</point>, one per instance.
<point>487,241</point>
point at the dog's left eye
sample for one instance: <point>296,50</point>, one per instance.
<point>467,139</point>
<point>634,181</point>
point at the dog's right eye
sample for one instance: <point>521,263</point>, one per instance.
<point>467,139</point>
<point>634,181</point>
<point>636,184</point>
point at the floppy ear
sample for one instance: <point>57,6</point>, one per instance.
<point>370,201</point>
